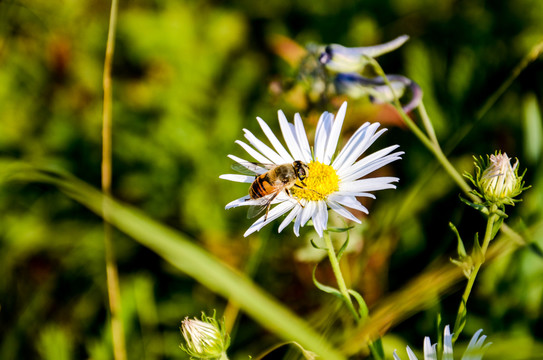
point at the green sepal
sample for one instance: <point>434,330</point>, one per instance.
<point>363,310</point>
<point>325,288</point>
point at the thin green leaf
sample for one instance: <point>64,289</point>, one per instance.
<point>478,207</point>
<point>343,248</point>
<point>362,307</point>
<point>460,247</point>
<point>325,288</point>
<point>339,230</point>
<point>316,246</point>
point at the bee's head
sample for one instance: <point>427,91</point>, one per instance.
<point>301,169</point>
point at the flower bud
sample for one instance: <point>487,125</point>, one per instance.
<point>499,182</point>
<point>204,339</point>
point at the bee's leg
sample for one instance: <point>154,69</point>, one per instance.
<point>269,204</point>
<point>288,193</point>
<point>305,188</point>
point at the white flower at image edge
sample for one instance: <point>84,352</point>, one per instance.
<point>474,351</point>
<point>333,181</point>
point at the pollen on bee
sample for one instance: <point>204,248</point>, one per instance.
<point>321,181</point>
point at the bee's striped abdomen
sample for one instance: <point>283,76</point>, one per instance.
<point>261,187</point>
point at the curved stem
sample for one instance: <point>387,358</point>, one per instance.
<point>339,276</point>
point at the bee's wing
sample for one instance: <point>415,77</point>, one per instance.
<point>263,203</point>
<point>259,206</point>
<point>252,168</point>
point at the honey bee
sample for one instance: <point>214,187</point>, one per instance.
<point>268,185</point>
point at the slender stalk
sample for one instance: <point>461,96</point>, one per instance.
<point>112,274</point>
<point>428,124</point>
<point>339,276</point>
<point>479,261</point>
<point>431,145</point>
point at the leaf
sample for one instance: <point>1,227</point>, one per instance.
<point>460,322</point>
<point>496,226</point>
<point>325,288</point>
<point>363,310</point>
<point>479,207</point>
<point>460,247</point>
<point>316,246</point>
<point>343,248</point>
<point>376,348</point>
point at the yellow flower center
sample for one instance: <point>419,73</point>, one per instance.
<point>320,182</point>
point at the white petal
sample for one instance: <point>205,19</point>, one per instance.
<point>411,354</point>
<point>255,154</point>
<point>346,170</point>
<point>289,136</point>
<point>354,142</point>
<point>274,141</point>
<point>447,344</point>
<point>307,212</point>
<point>396,357</point>
<point>274,213</point>
<point>264,149</point>
<point>363,170</point>
<point>320,217</point>
<point>288,219</point>
<point>356,194</point>
<point>361,146</point>
<point>349,201</point>
<point>298,220</point>
<point>429,350</point>
<point>473,341</point>
<point>321,136</point>
<point>238,202</point>
<point>302,138</point>
<point>371,184</point>
<point>331,146</point>
<point>238,178</point>
<point>342,211</point>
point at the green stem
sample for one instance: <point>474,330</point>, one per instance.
<point>112,274</point>
<point>427,124</point>
<point>479,260</point>
<point>339,276</point>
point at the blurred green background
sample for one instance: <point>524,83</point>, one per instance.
<point>188,76</point>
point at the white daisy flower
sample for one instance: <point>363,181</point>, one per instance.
<point>334,180</point>
<point>474,351</point>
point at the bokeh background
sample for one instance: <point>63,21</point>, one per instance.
<point>188,76</point>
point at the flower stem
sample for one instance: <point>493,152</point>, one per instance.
<point>479,260</point>
<point>339,276</point>
<point>430,142</point>
<point>112,274</point>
